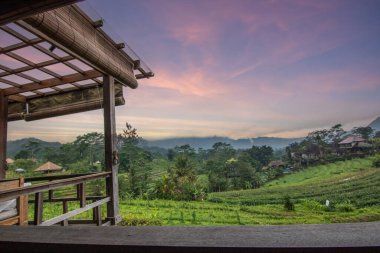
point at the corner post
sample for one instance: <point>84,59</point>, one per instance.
<point>3,133</point>
<point>112,187</point>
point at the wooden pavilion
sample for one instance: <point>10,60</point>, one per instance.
<point>55,60</point>
<point>49,167</point>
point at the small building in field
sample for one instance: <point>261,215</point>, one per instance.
<point>351,141</point>
<point>10,161</point>
<point>355,145</point>
<point>276,164</point>
<point>49,167</point>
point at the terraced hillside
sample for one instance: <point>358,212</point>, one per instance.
<point>353,181</point>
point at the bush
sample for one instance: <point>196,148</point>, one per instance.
<point>376,161</point>
<point>288,204</point>
<point>313,205</point>
<point>133,220</point>
<point>346,207</point>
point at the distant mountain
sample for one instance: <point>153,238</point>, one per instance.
<point>13,147</point>
<point>375,124</point>
<point>208,142</point>
<point>160,146</point>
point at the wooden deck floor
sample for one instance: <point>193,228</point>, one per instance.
<point>359,237</point>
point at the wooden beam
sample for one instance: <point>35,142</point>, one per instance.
<point>111,163</point>
<point>3,133</point>
<point>52,82</point>
<point>17,98</point>
<point>13,10</point>
<point>67,215</point>
<point>35,66</point>
<point>83,42</point>
<point>20,45</point>
<point>14,193</point>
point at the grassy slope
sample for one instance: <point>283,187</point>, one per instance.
<point>350,179</point>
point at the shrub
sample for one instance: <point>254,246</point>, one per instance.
<point>313,205</point>
<point>133,220</point>
<point>330,208</point>
<point>346,207</point>
<point>288,204</point>
<point>376,161</point>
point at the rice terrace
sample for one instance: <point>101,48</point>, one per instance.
<point>352,187</point>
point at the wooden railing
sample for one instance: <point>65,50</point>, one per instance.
<point>56,182</point>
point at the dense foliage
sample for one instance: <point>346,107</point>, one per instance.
<point>183,173</point>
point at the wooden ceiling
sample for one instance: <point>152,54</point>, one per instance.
<point>34,63</point>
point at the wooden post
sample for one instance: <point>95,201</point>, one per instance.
<point>97,215</point>
<point>82,194</point>
<point>112,187</point>
<point>3,133</point>
<point>38,208</point>
<point>22,206</point>
<point>65,210</point>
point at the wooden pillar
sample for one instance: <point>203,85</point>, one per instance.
<point>38,208</point>
<point>3,133</point>
<point>112,187</point>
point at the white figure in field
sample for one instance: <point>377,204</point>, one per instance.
<point>327,202</point>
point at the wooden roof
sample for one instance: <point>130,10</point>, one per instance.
<point>49,166</point>
<point>352,139</point>
<point>60,51</point>
<point>276,163</point>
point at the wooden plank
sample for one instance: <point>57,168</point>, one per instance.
<point>49,178</point>
<point>10,221</point>
<point>14,10</point>
<point>334,238</point>
<point>20,45</point>
<point>68,199</point>
<point>110,148</point>
<point>14,193</point>
<point>48,83</point>
<point>106,224</point>
<point>9,184</point>
<point>67,215</point>
<point>17,98</point>
<point>3,133</point>
<point>38,208</point>
<point>106,58</point>
<point>35,66</point>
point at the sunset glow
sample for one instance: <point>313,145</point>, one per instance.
<point>239,69</point>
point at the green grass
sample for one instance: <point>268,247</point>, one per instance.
<point>179,213</point>
<point>182,213</point>
<point>353,181</point>
<point>353,188</point>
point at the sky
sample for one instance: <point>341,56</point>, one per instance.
<point>239,69</point>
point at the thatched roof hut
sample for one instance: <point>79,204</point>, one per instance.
<point>10,161</point>
<point>49,167</point>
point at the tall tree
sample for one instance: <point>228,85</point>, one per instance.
<point>134,160</point>
<point>90,145</point>
<point>261,154</point>
<point>365,132</point>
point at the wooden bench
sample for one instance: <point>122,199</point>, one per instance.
<point>19,215</point>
